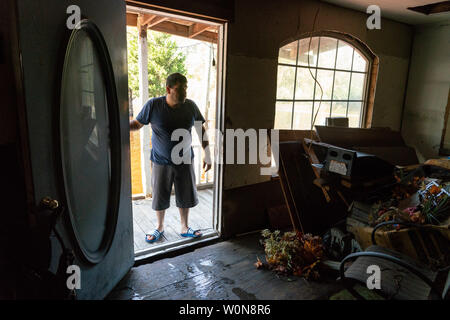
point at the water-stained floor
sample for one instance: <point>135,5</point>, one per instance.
<point>221,271</point>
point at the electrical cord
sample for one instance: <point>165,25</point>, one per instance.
<point>315,79</point>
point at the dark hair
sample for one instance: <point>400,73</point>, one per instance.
<point>175,78</point>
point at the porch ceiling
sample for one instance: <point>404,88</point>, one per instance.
<point>179,27</point>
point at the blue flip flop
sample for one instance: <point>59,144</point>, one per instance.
<point>156,234</point>
<point>191,233</point>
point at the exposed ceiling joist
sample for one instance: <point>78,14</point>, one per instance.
<point>183,31</point>
<point>157,21</point>
<point>132,19</point>
<point>146,18</point>
<point>171,28</point>
<point>183,28</point>
<point>196,29</point>
<point>184,22</point>
<point>207,36</point>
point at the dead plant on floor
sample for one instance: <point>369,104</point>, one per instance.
<point>292,253</point>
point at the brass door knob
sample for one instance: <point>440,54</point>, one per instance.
<point>49,203</point>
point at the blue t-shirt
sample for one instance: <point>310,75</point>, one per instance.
<point>164,120</point>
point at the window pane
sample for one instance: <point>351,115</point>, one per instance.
<point>324,112</point>
<point>288,53</point>
<point>337,86</point>
<point>325,78</point>
<point>357,86</point>
<point>344,56</point>
<point>283,115</point>
<point>354,114</point>
<point>327,52</point>
<point>285,82</point>
<point>302,116</point>
<point>339,109</point>
<point>359,62</point>
<point>305,84</point>
<point>304,52</point>
<point>341,85</point>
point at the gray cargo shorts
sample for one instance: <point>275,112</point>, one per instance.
<point>182,177</point>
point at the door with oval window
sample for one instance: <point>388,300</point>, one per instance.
<point>75,87</point>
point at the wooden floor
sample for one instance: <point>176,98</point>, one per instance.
<point>220,271</point>
<point>144,220</point>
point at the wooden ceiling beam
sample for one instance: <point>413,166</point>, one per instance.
<point>157,21</point>
<point>181,21</point>
<point>171,28</point>
<point>196,29</point>
<point>147,18</point>
<point>207,36</point>
<point>183,31</point>
<point>132,19</point>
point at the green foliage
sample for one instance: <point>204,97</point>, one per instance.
<point>163,59</point>
<point>133,61</point>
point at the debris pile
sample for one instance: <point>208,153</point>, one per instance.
<point>360,189</point>
<point>292,253</point>
<point>426,200</point>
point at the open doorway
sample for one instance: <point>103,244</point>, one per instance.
<point>158,45</point>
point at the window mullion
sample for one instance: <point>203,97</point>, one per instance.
<point>323,100</point>
<point>334,77</point>
<point>323,68</point>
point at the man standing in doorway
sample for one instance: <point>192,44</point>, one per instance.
<point>167,114</point>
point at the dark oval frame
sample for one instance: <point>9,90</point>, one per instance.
<point>87,255</point>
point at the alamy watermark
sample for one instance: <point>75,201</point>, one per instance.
<point>374,20</point>
<point>258,142</point>
<point>374,280</point>
<point>73,21</point>
<point>74,280</point>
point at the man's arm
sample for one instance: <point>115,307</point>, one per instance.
<point>205,145</point>
<point>205,140</point>
<point>135,125</point>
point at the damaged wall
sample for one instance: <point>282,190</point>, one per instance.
<point>254,38</point>
<point>428,87</point>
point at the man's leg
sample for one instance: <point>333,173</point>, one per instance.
<point>162,179</point>
<point>160,217</point>
<point>185,193</point>
<point>184,217</point>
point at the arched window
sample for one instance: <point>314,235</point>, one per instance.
<point>342,71</point>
